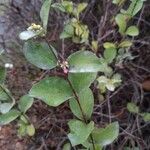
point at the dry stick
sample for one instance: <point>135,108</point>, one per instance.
<point>78,101</point>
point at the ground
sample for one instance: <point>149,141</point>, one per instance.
<point>51,123</point>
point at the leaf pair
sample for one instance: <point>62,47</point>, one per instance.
<point>121,20</point>
<point>133,108</point>
<point>55,90</point>
<point>110,84</point>
<point>41,55</point>
<point>70,8</point>
<point>101,136</point>
<point>75,30</point>
<point>134,7</point>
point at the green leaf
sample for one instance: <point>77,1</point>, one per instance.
<point>108,45</point>
<point>81,7</point>
<point>132,31</point>
<point>86,100</point>
<point>9,117</point>
<point>58,6</point>
<point>146,116</point>
<point>25,103</point>
<point>83,61</point>
<point>132,108</point>
<point>68,6</point>
<point>110,55</point>
<point>105,136</point>
<point>67,146</point>
<point>4,93</point>
<point>40,55</point>
<point>67,32</point>
<point>30,130</point>
<point>134,7</point>
<point>52,90</point>
<point>22,129</point>
<point>121,22</point>
<point>6,107</point>
<point>44,13</point>
<point>79,131</point>
<point>80,81</point>
<point>125,44</point>
<point>2,74</point>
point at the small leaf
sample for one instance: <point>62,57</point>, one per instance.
<point>146,116</point>
<point>25,103</point>
<point>95,46</point>
<point>108,45</point>
<point>67,32</point>
<point>22,129</point>
<point>68,6</point>
<point>30,130</point>
<point>125,44</point>
<point>81,7</point>
<point>52,90</point>
<point>80,81</point>
<point>44,13</point>
<point>79,131</point>
<point>9,117</point>
<point>132,108</point>
<point>134,7</point>
<point>105,136</point>
<point>26,35</point>
<point>121,22</point>
<point>86,100</point>
<point>110,54</point>
<point>58,6</point>
<point>40,55</point>
<point>67,146</point>
<point>83,61</point>
<point>132,31</point>
<point>2,74</point>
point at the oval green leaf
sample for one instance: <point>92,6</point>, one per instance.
<point>121,22</point>
<point>52,90</point>
<point>30,130</point>
<point>132,31</point>
<point>105,136</point>
<point>79,131</point>
<point>9,117</point>
<point>44,13</point>
<point>40,55</point>
<point>110,55</point>
<point>132,108</point>
<point>86,102</point>
<point>25,103</point>
<point>80,81</point>
<point>83,61</point>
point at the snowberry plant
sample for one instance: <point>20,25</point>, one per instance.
<point>72,76</point>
